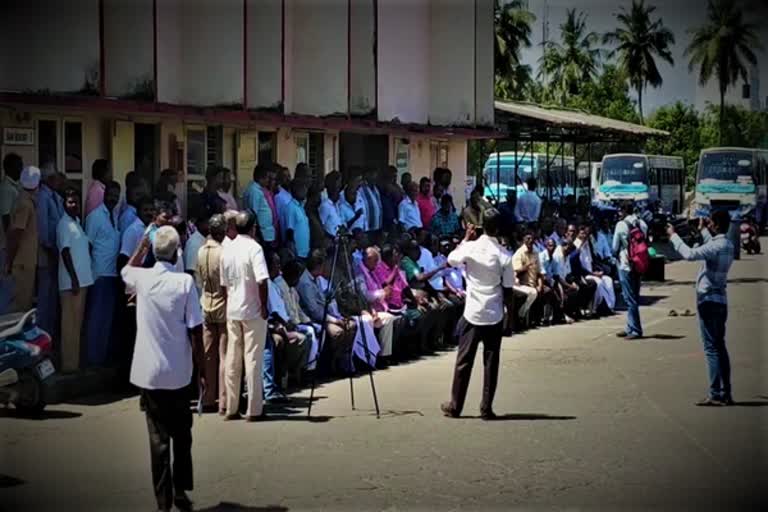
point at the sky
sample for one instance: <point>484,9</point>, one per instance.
<point>678,16</point>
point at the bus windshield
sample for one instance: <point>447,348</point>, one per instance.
<point>730,166</point>
<point>625,170</point>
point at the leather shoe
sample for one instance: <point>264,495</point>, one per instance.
<point>448,411</point>
<point>182,501</point>
<point>488,416</point>
<point>253,419</point>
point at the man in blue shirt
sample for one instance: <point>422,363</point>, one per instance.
<point>50,208</point>
<point>712,303</point>
<point>102,296</point>
<point>296,221</point>
<point>255,200</point>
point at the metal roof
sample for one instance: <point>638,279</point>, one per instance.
<point>528,121</point>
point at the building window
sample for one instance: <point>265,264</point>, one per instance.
<point>267,147</point>
<point>196,154</point>
<point>73,147</point>
<point>47,141</point>
<point>438,154</point>
<point>214,145</point>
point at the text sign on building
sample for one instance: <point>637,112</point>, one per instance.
<point>19,136</point>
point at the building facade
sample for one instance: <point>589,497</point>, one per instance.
<point>155,84</point>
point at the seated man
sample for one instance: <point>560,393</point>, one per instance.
<point>286,285</point>
<point>340,331</point>
<point>528,272</point>
<point>291,348</point>
<point>573,293</point>
<point>376,295</point>
<point>419,278</point>
<point>605,295</point>
<point>552,279</point>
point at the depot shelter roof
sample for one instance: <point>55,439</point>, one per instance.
<point>529,121</point>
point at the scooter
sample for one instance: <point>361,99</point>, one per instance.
<point>25,363</point>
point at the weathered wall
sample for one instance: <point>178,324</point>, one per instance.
<point>403,60</point>
<point>362,58</point>
<point>49,45</point>
<point>319,57</point>
<point>200,47</point>
<point>484,63</point>
<point>264,62</point>
<point>451,62</point>
<point>128,47</point>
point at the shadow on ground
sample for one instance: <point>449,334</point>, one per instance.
<point>225,506</point>
<point>9,412</point>
<point>524,416</point>
<point>664,337</point>
<point>9,481</point>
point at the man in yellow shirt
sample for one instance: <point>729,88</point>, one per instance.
<point>23,240</point>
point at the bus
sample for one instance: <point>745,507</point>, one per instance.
<point>732,179</point>
<point>648,180</point>
<point>559,181</point>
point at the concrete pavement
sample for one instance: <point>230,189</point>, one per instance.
<point>593,422</point>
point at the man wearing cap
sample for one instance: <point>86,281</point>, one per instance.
<point>23,240</point>
<point>50,208</point>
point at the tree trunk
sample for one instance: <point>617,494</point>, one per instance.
<point>722,116</point>
<point>640,102</point>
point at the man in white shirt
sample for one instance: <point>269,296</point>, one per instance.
<point>528,207</point>
<point>169,309</point>
<point>75,277</point>
<point>408,213</point>
<point>244,275</point>
<point>490,277</point>
<point>329,211</point>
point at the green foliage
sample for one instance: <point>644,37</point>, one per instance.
<point>512,33</point>
<point>723,47</point>
<point>607,96</point>
<point>684,126</point>
<point>567,66</point>
<point>638,41</point>
<point>740,127</point>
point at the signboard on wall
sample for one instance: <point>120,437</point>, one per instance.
<point>19,136</point>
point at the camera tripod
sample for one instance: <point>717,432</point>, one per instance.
<point>341,244</point>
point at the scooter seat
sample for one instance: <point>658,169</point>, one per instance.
<point>15,323</point>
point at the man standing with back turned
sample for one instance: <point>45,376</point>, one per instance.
<point>712,304</point>
<point>167,337</point>
<point>628,277</point>
<point>490,276</point>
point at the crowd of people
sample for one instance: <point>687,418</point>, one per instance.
<point>393,287</point>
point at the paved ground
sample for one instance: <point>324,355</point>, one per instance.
<point>593,423</point>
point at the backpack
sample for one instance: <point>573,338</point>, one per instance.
<point>637,250</point>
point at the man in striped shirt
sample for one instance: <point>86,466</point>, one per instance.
<point>717,254</point>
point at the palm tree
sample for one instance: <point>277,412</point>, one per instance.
<point>573,62</point>
<point>721,46</point>
<point>638,40</point>
<point>512,26</point>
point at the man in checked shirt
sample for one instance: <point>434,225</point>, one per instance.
<point>717,254</point>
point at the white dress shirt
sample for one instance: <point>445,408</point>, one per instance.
<point>428,264</point>
<point>347,212</point>
<point>275,302</point>
<point>488,268</point>
<point>408,214</point>
<point>243,268</point>
<point>330,216</point>
<point>69,235</point>
<point>167,305</point>
<point>528,207</point>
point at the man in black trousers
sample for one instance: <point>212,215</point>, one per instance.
<point>490,277</point>
<point>169,317</point>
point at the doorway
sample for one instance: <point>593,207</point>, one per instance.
<point>145,153</point>
<point>359,151</point>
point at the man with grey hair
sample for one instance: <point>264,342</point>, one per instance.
<point>244,276</point>
<point>169,314</point>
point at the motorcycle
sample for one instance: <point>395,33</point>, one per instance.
<point>749,237</point>
<point>25,363</point>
